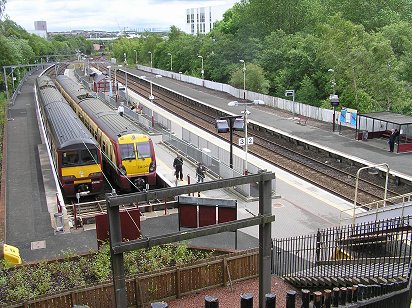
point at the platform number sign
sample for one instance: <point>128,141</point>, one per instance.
<point>242,141</point>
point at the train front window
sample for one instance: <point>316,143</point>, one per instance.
<point>89,157</point>
<point>70,158</point>
<point>143,149</point>
<point>127,151</point>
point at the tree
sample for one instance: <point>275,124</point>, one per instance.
<point>255,79</point>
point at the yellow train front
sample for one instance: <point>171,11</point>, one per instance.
<point>75,153</point>
<point>128,156</point>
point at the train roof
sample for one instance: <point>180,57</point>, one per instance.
<point>74,87</point>
<point>113,124</point>
<point>68,131</point>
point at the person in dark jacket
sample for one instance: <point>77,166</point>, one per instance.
<point>392,138</point>
<point>178,165</point>
<point>200,172</point>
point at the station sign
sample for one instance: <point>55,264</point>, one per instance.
<point>242,141</point>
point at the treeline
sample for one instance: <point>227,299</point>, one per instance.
<point>17,46</point>
<point>362,47</point>
<point>365,47</point>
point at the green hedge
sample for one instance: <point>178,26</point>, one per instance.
<point>26,282</point>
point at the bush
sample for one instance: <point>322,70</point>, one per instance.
<point>45,278</point>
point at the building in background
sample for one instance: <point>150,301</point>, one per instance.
<point>40,28</point>
<point>202,19</point>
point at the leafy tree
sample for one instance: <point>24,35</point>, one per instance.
<point>255,79</point>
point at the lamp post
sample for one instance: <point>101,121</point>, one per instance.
<point>110,81</point>
<point>334,99</point>
<point>291,93</point>
<point>223,126</point>
<point>202,71</point>
<point>171,61</point>
<point>151,97</point>
<point>151,59</point>
<point>245,117</point>
<point>244,78</point>
<point>356,186</point>
<point>135,52</point>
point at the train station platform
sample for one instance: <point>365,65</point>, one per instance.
<point>300,208</point>
<point>314,132</point>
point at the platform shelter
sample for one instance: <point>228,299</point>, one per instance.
<point>379,125</point>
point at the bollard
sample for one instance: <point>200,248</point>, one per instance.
<point>305,298</point>
<point>246,300</point>
<point>159,305</point>
<point>317,299</point>
<point>342,296</point>
<point>355,293</point>
<point>367,292</point>
<point>349,295</point>
<point>335,297</point>
<point>327,298</point>
<point>211,302</point>
<point>270,300</point>
<point>290,299</point>
<point>361,291</point>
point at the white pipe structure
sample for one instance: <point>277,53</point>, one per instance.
<point>151,59</point>
<point>202,71</point>
<point>357,181</point>
<point>171,61</point>
<point>245,117</point>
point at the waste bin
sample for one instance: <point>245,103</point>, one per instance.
<point>365,135</point>
<point>58,217</point>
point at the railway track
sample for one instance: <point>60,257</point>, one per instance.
<point>321,170</point>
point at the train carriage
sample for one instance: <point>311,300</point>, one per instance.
<point>75,153</point>
<point>129,156</point>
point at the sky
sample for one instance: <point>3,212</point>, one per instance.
<point>108,15</point>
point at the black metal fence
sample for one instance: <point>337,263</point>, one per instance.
<point>379,249</point>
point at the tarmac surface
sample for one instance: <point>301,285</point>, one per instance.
<point>301,209</point>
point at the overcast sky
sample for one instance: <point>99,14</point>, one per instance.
<point>64,15</point>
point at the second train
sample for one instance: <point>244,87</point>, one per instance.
<point>128,155</point>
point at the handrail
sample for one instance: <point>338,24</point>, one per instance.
<point>380,206</point>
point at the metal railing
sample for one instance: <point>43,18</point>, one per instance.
<point>376,249</point>
<point>376,208</point>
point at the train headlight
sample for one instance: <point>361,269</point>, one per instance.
<point>95,174</point>
<point>122,169</point>
<point>68,178</point>
<point>152,166</point>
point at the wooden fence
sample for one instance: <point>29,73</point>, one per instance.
<point>160,285</point>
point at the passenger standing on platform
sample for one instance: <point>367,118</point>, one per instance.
<point>392,138</point>
<point>120,109</point>
<point>178,165</point>
<point>200,172</point>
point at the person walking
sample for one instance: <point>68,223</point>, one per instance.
<point>178,165</point>
<point>120,109</point>
<point>392,138</point>
<point>200,172</point>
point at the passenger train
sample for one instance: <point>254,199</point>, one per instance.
<point>129,156</point>
<point>75,153</point>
